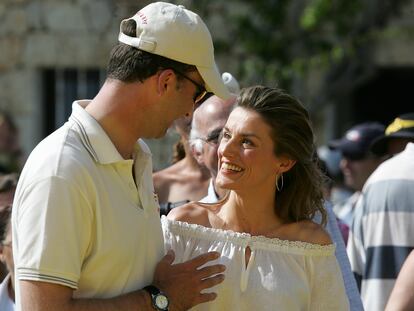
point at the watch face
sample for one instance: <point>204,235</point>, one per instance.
<point>161,301</point>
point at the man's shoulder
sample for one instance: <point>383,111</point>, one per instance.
<point>61,154</point>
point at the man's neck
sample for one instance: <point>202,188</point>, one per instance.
<point>113,110</point>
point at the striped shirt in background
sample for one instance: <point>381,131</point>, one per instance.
<point>383,230</point>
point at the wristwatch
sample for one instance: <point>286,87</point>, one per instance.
<point>159,300</point>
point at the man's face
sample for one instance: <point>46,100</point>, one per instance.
<point>179,103</point>
<point>183,126</point>
<point>210,133</point>
<point>209,120</point>
<point>357,171</point>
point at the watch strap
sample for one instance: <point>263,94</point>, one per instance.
<point>154,292</point>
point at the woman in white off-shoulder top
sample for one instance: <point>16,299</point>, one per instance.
<point>276,258</point>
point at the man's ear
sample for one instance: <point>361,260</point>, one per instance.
<point>284,164</point>
<point>197,153</point>
<point>165,79</point>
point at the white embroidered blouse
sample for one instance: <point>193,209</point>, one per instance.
<point>280,275</point>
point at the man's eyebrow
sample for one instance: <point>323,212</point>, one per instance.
<point>214,133</point>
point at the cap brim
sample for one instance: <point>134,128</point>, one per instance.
<point>214,82</point>
<point>335,144</point>
<point>347,147</point>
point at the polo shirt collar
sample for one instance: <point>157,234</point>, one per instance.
<point>95,138</point>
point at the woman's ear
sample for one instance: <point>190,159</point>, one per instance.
<point>285,164</point>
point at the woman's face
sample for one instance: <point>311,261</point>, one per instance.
<point>246,157</point>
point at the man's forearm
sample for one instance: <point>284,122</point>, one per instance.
<point>40,296</point>
<point>135,301</point>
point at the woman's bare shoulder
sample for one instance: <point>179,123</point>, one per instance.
<point>193,213</point>
<point>314,233</point>
<point>311,232</point>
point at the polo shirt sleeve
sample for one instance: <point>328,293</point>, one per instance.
<point>53,232</point>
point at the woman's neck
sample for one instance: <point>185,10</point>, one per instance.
<point>253,215</point>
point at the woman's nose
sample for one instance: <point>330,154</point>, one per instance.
<point>226,147</point>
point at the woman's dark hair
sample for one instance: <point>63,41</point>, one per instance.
<point>129,64</point>
<point>178,152</point>
<point>302,194</point>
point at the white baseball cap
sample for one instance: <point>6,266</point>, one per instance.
<point>176,33</point>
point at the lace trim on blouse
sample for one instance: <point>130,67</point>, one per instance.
<point>245,239</point>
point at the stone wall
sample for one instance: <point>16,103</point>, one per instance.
<point>38,34</point>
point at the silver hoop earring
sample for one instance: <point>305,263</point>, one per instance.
<point>277,183</point>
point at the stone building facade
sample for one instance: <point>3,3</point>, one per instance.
<point>55,51</point>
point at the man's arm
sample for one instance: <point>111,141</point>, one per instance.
<point>36,296</point>
<point>402,295</point>
<point>182,284</point>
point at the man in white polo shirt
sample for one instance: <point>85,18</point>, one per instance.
<point>86,228</point>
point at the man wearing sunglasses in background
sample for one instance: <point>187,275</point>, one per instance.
<point>208,122</point>
<point>86,228</point>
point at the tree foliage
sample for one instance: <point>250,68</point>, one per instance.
<point>276,41</point>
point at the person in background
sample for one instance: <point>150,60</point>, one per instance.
<point>6,257</point>
<point>397,135</point>
<point>183,181</point>
<point>263,225</point>
<point>336,191</point>
<point>208,122</point>
<point>187,179</point>
<point>332,187</point>
<point>382,234</point>
<point>8,183</point>
<point>86,225</point>
<point>10,150</point>
<point>357,163</point>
